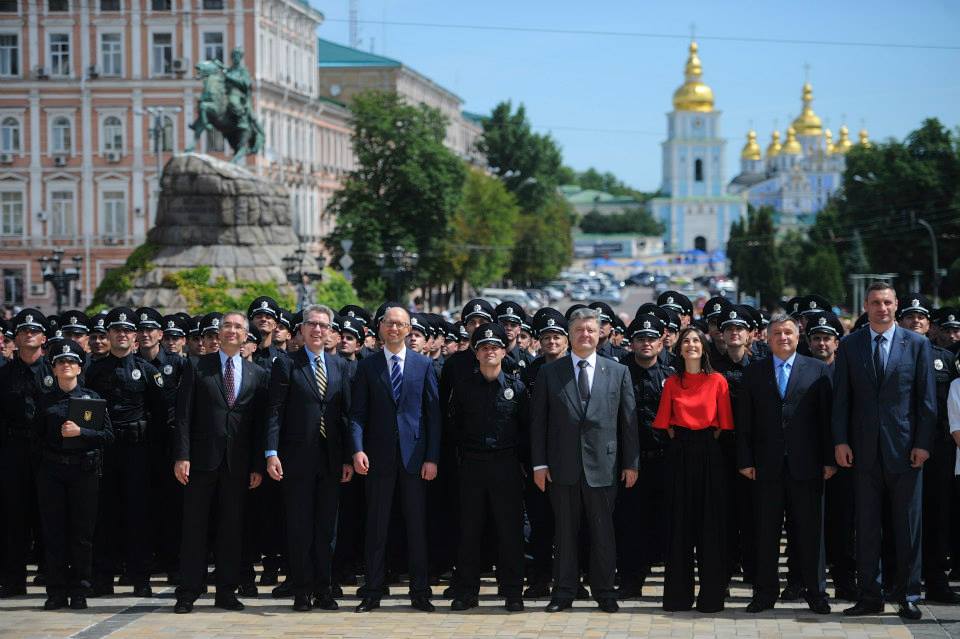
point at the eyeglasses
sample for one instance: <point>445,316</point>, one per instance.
<point>323,326</point>
<point>395,324</point>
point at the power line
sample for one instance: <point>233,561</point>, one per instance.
<point>651,35</point>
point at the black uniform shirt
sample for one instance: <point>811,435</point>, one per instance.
<point>21,387</point>
<point>489,415</point>
<point>944,372</point>
<point>733,371</point>
<point>54,408</point>
<point>263,357</point>
<point>133,389</point>
<point>647,387</point>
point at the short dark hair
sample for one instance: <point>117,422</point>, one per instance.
<point>881,286</point>
<point>705,366</point>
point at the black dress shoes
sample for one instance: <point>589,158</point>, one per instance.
<point>325,602</point>
<point>282,591</point>
<point>629,592</point>
<point>537,591</point>
<point>943,595</point>
<point>608,605</point>
<point>819,606</point>
<point>269,577</point>
<point>864,608</point>
<point>336,590</point>
<point>466,603</point>
<point>368,604</point>
<point>514,605</point>
<point>183,606</point>
<point>301,603</point>
<point>143,591</point>
<point>582,592</point>
<point>227,602</point>
<point>757,605</point>
<point>55,602</point>
<point>792,592</point>
<point>248,590</point>
<point>12,591</point>
<point>422,604</point>
<point>847,593</point>
<point>908,610</point>
<point>78,602</point>
<point>556,605</point>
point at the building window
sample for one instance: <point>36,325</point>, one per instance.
<point>111,53</point>
<point>10,135</point>
<point>8,6</point>
<point>61,135</point>
<point>162,54</point>
<point>113,134</point>
<point>110,5</point>
<point>166,136</point>
<point>698,170</point>
<point>9,54</point>
<point>61,213</point>
<point>59,54</point>
<point>11,213</point>
<point>13,286</point>
<point>161,5</point>
<point>213,45</point>
<point>114,213</point>
<point>58,5</point>
<point>212,5</point>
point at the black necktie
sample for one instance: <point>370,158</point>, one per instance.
<point>878,358</point>
<point>583,382</point>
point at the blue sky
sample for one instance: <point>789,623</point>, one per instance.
<point>604,97</point>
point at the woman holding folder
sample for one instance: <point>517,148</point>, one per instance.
<point>72,428</point>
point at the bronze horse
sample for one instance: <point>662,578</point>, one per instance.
<point>215,111</point>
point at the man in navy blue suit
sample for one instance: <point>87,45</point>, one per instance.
<point>395,432</point>
<point>884,413</point>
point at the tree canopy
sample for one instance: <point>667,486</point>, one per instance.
<point>638,221</point>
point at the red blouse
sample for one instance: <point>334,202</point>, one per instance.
<point>703,401</point>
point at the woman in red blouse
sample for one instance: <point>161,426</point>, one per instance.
<point>694,408</point>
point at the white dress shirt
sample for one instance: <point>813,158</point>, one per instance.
<point>237,371</point>
<point>885,347</point>
<point>402,354</point>
<point>953,415</point>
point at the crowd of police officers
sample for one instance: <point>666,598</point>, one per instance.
<point>98,508</point>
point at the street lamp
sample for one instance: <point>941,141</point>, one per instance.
<point>396,266</point>
<point>53,271</point>
<point>302,279</point>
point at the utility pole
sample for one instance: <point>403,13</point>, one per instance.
<point>934,254</point>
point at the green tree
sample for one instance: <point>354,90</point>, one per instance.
<point>811,267</point>
<point>638,221</point>
<point>407,185</point>
<point>544,241</point>
<point>754,258</point>
<point>482,231</point>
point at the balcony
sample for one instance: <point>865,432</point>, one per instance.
<point>74,241</point>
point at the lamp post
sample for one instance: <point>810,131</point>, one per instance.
<point>53,271</point>
<point>396,266</point>
<point>302,279</point>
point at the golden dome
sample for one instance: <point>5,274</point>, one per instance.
<point>828,138</point>
<point>693,95</point>
<point>775,147</point>
<point>791,146</point>
<point>864,139</point>
<point>751,150</point>
<point>843,144</point>
<point>808,122</point>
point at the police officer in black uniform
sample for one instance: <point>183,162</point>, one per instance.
<point>606,347</point>
<point>263,313</point>
<point>511,316</point>
<point>489,409</point>
<point>68,480</point>
<point>73,325</point>
<point>678,303</point>
<point>175,329</point>
<point>642,511</point>
<point>97,343</point>
<point>134,391</point>
<point>167,492</point>
<point>22,383</point>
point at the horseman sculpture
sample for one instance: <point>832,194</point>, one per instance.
<point>225,106</point>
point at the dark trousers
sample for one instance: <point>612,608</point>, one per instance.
<point>641,520</point>
<point>491,489</point>
<point>803,500</point>
<point>443,513</point>
<point>839,526</point>
<point>311,505</point>
<point>740,517</point>
<point>698,524</point>
<point>227,490</point>
<point>348,554</point>
<point>68,513</point>
<point>570,503</point>
<point>264,530</point>
<point>937,513</point>
<point>904,490</point>
<point>380,488</point>
<point>166,513</point>
<point>123,533</point>
<point>540,541</point>
<point>18,496</point>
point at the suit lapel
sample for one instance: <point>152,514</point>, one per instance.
<point>896,352</point>
<point>385,374</point>
<point>601,378</point>
<point>410,367</point>
<point>866,346</point>
<point>569,381</point>
<point>307,370</point>
<point>219,377</point>
<point>794,378</point>
<point>246,378</point>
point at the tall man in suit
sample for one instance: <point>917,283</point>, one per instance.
<point>584,437</point>
<point>306,434</point>
<point>884,413</point>
<point>785,446</point>
<point>218,445</point>
<point>395,434</point>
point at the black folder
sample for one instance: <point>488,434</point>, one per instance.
<point>85,413</point>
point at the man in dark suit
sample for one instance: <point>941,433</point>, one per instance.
<point>884,413</point>
<point>219,455</point>
<point>784,445</point>
<point>584,437</point>
<point>395,432</point>
<point>306,434</point>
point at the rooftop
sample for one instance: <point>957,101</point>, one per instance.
<point>332,55</point>
<point>576,195</point>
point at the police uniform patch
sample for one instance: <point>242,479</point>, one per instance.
<point>521,364</point>
<point>508,393</point>
<point>168,370</point>
<point>938,364</point>
<point>85,397</point>
<point>158,378</point>
<point>488,333</point>
<point>48,381</point>
<point>136,374</point>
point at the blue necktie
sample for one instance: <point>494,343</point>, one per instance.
<point>878,358</point>
<point>782,379</point>
<point>396,378</point>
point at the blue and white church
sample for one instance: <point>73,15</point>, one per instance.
<point>695,207</point>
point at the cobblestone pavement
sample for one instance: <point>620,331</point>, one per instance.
<point>122,616</point>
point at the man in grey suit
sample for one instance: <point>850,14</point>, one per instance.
<point>584,437</point>
<point>884,413</point>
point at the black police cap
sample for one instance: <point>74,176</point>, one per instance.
<point>263,305</point>
<point>477,307</point>
<point>74,322</point>
<point>915,303</point>
<point>675,301</point>
<point>489,333</point>
<point>382,310</point>
<point>211,323</point>
<point>195,324</point>
<point>647,325</point>
<point>121,317</point>
<point>286,319</point>
<point>736,316</point>
<point>572,309</point>
<point>714,307</point>
<point>419,323</point>
<point>793,306</point>
<point>825,322</point>
<point>510,312</point>
<point>357,313</point>
<point>174,325</point>
<point>351,326</point>
<point>948,317</point>
<point>549,320</point>
<point>65,349</point>
<point>53,326</point>
<point>148,318</point>
<point>451,333</point>
<point>6,328</point>
<point>253,335</point>
<point>605,311</point>
<point>98,323</point>
<point>335,323</point>
<point>814,304</point>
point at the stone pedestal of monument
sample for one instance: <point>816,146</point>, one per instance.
<point>213,213</point>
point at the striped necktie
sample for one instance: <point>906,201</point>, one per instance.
<point>396,378</point>
<point>321,376</point>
